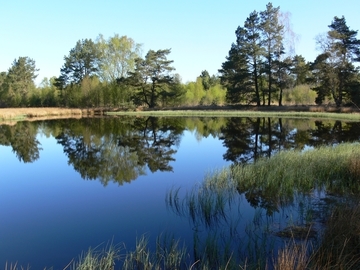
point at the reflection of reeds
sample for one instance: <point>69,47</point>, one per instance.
<point>338,248</point>
<point>205,203</point>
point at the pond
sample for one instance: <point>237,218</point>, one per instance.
<point>67,185</point>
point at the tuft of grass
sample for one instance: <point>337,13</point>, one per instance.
<point>14,266</point>
<point>340,243</point>
<point>294,256</point>
<point>286,173</point>
<point>95,259</point>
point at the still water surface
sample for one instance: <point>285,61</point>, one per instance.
<point>68,185</point>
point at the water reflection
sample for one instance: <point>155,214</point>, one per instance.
<point>248,139</point>
<point>121,149</point>
<point>22,139</point>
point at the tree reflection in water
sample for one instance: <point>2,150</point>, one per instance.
<point>120,149</point>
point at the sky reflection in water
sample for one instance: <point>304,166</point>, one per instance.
<point>49,213</point>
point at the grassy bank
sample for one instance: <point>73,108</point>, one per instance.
<point>18,114</point>
<point>334,168</point>
<point>24,113</point>
<point>304,112</point>
<point>235,113</point>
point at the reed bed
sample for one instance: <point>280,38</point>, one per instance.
<point>25,113</point>
<point>333,167</point>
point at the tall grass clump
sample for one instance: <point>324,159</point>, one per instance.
<point>95,259</point>
<point>331,167</point>
<point>337,248</point>
<point>340,243</point>
<point>168,255</point>
<point>14,266</point>
<point>293,256</point>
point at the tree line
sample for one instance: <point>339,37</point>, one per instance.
<point>258,70</point>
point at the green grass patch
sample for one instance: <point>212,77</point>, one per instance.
<point>219,113</point>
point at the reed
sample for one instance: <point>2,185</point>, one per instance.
<point>95,259</point>
<point>207,202</point>
<point>14,266</point>
<point>293,257</point>
<point>340,243</point>
<point>19,114</point>
<point>287,173</point>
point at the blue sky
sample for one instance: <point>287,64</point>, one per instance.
<point>198,32</point>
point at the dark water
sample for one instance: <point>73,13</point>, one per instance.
<point>68,185</point>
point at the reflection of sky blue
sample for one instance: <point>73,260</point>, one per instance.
<point>49,214</point>
<point>46,208</point>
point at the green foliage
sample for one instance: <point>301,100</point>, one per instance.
<point>300,70</point>
<point>235,77</point>
<point>272,34</point>
<point>258,45</point>
<point>117,57</point>
<point>18,82</point>
<point>300,95</point>
<point>46,95</point>
<point>152,78</point>
<point>81,62</point>
<point>196,94</point>
<point>335,74</point>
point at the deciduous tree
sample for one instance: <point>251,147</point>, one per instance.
<point>117,57</point>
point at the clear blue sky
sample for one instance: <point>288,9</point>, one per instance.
<point>199,32</point>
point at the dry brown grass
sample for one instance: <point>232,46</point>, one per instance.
<point>14,113</point>
<point>354,166</point>
<point>292,257</point>
<point>11,115</point>
<point>340,245</point>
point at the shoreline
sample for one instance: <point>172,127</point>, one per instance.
<point>312,111</point>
